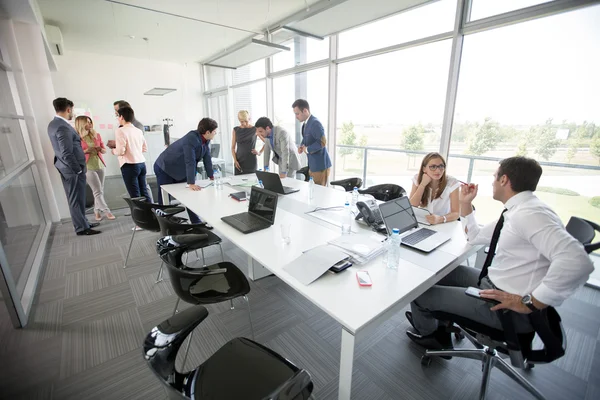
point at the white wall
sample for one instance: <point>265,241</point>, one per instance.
<point>94,82</point>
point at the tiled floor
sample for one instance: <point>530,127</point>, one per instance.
<point>86,330</point>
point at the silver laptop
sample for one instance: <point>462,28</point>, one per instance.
<point>398,213</point>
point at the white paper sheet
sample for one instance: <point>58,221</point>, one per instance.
<point>314,263</point>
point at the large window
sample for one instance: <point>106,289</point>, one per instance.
<point>250,72</point>
<point>216,77</point>
<point>428,20</point>
<point>312,86</point>
<point>252,98</point>
<point>393,101</point>
<point>532,89</point>
<point>302,51</point>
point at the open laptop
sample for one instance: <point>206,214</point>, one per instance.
<point>260,215</point>
<point>271,181</point>
<point>398,213</point>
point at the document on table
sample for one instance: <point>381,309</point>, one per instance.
<point>421,215</point>
<point>203,183</point>
<point>361,247</point>
<point>314,263</point>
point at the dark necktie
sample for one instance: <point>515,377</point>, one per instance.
<point>303,125</point>
<point>492,249</point>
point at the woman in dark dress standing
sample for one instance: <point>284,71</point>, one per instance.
<point>242,145</point>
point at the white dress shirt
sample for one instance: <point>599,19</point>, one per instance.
<point>535,253</point>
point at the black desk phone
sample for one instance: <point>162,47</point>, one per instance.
<point>369,212</point>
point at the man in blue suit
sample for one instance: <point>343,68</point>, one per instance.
<point>313,143</point>
<point>69,160</point>
<point>177,164</point>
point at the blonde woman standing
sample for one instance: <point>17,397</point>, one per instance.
<point>243,141</point>
<point>93,148</point>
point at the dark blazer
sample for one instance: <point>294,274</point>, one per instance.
<point>180,159</point>
<point>69,158</point>
<point>314,139</point>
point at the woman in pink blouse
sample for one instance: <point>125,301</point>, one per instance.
<point>129,144</point>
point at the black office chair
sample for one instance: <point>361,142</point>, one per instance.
<point>240,369</point>
<point>304,171</point>
<point>143,216</point>
<point>215,149</point>
<point>584,231</point>
<point>385,192</point>
<point>518,346</point>
<point>174,226</point>
<point>348,184</point>
<point>208,285</point>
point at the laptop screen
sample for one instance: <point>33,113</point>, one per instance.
<point>398,213</point>
<point>263,204</point>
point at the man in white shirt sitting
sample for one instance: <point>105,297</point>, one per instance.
<point>537,263</point>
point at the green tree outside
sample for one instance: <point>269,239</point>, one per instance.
<point>413,139</point>
<point>362,142</point>
<point>484,138</point>
<point>348,138</point>
<point>546,143</point>
<point>595,147</point>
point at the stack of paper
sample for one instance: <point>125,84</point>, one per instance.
<point>361,248</point>
<point>314,263</point>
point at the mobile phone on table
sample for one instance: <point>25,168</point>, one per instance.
<point>364,279</point>
<point>474,292</point>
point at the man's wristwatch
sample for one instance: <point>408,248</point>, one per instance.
<point>528,301</point>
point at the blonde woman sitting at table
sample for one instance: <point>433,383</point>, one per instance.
<point>434,190</point>
<point>93,148</point>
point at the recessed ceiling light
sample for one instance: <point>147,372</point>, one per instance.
<point>159,91</point>
<point>131,36</point>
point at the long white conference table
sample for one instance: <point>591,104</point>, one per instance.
<point>359,310</point>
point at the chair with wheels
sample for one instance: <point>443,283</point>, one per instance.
<point>240,369</point>
<point>584,231</point>
<point>385,192</point>
<point>348,184</point>
<point>174,226</point>
<point>143,216</point>
<point>304,171</point>
<point>490,342</point>
<point>207,285</point>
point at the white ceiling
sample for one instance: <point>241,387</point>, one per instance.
<point>102,27</point>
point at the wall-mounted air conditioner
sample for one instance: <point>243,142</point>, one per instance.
<point>55,40</point>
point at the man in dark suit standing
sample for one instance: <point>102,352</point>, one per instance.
<point>69,160</point>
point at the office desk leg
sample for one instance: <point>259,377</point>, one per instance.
<point>255,270</point>
<point>165,197</point>
<point>346,361</point>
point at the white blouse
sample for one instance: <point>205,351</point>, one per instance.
<point>441,205</point>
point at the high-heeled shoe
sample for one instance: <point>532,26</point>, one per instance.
<point>97,216</point>
<point>109,215</point>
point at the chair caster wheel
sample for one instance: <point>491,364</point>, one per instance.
<point>459,336</point>
<point>426,361</point>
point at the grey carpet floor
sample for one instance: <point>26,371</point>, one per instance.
<point>86,329</point>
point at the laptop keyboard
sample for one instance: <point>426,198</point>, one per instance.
<point>248,220</point>
<point>418,236</point>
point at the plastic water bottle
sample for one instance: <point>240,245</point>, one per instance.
<point>217,177</point>
<point>311,188</point>
<point>393,256</point>
<point>354,196</point>
<point>266,169</point>
<point>260,184</point>
<point>347,221</point>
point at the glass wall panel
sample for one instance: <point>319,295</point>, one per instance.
<point>487,8</point>
<point>532,89</point>
<point>427,20</point>
<point>302,51</point>
<point>13,152</point>
<point>216,77</point>
<point>250,72</point>
<point>395,101</point>
<point>311,85</point>
<point>252,98</point>
<point>21,220</point>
